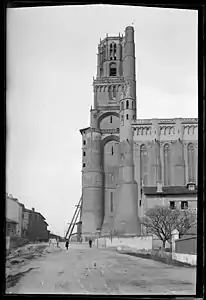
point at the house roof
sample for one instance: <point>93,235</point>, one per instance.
<point>11,221</point>
<point>169,190</point>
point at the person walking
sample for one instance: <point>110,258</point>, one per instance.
<point>90,243</point>
<point>67,244</point>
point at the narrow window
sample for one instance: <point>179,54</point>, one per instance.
<point>112,150</point>
<point>122,105</point>
<point>111,201</point>
<point>127,116</point>
<point>112,70</point>
<point>132,104</point>
<point>111,119</point>
<point>122,117</point>
<point>172,204</point>
<point>84,165</point>
<point>127,104</point>
<point>84,153</point>
<point>140,202</point>
<point>84,142</point>
<point>184,205</point>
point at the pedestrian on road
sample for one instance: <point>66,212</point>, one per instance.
<point>90,243</point>
<point>67,244</point>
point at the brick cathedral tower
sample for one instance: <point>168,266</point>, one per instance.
<point>107,178</point>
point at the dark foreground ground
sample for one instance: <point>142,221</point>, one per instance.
<point>82,270</point>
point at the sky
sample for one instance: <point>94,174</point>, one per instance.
<point>51,61</point>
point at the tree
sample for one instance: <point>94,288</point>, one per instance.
<point>185,221</point>
<point>161,220</point>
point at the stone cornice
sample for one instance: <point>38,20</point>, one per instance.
<point>108,80</point>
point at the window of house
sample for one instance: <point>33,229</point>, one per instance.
<point>84,165</point>
<point>84,142</point>
<point>184,204</point>
<point>111,119</point>
<point>84,153</point>
<point>127,116</point>
<point>172,204</point>
<point>111,201</point>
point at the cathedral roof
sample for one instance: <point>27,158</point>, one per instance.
<point>169,190</point>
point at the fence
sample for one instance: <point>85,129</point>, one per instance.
<point>137,243</point>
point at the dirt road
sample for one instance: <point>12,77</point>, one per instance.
<point>93,271</point>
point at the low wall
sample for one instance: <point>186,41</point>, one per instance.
<point>186,245</point>
<point>136,243</point>
<point>187,258</point>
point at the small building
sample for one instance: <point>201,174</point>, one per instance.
<point>180,197</point>
<point>37,227</point>
<point>14,213</point>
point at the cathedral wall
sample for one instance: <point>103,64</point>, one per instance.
<point>109,122</point>
<point>108,93</point>
<point>170,141</point>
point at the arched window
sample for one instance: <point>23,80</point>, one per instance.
<point>191,162</point>
<point>127,104</point>
<point>122,105</point>
<point>112,70</point>
<point>112,150</point>
<point>127,117</point>
<point>110,119</point>
<point>166,165</point>
<point>143,165</point>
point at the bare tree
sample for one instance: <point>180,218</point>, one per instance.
<point>161,220</point>
<point>185,221</point>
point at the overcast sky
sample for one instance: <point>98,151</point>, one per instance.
<point>51,60</point>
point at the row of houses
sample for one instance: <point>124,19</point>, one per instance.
<point>24,223</point>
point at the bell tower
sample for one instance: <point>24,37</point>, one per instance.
<point>109,79</point>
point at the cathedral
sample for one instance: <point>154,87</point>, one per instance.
<point>121,153</point>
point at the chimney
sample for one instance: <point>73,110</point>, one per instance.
<point>159,187</point>
<point>33,209</point>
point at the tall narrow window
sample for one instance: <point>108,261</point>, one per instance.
<point>110,52</point>
<point>191,165</point>
<point>132,104</point>
<point>114,51</point>
<point>166,165</point>
<point>127,116</point>
<point>111,119</point>
<point>122,105</point>
<point>143,164</point>
<point>112,150</point>
<point>111,201</point>
<point>114,91</point>
<point>84,153</point>
<point>127,104</point>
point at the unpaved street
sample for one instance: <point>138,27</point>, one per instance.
<point>93,271</point>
